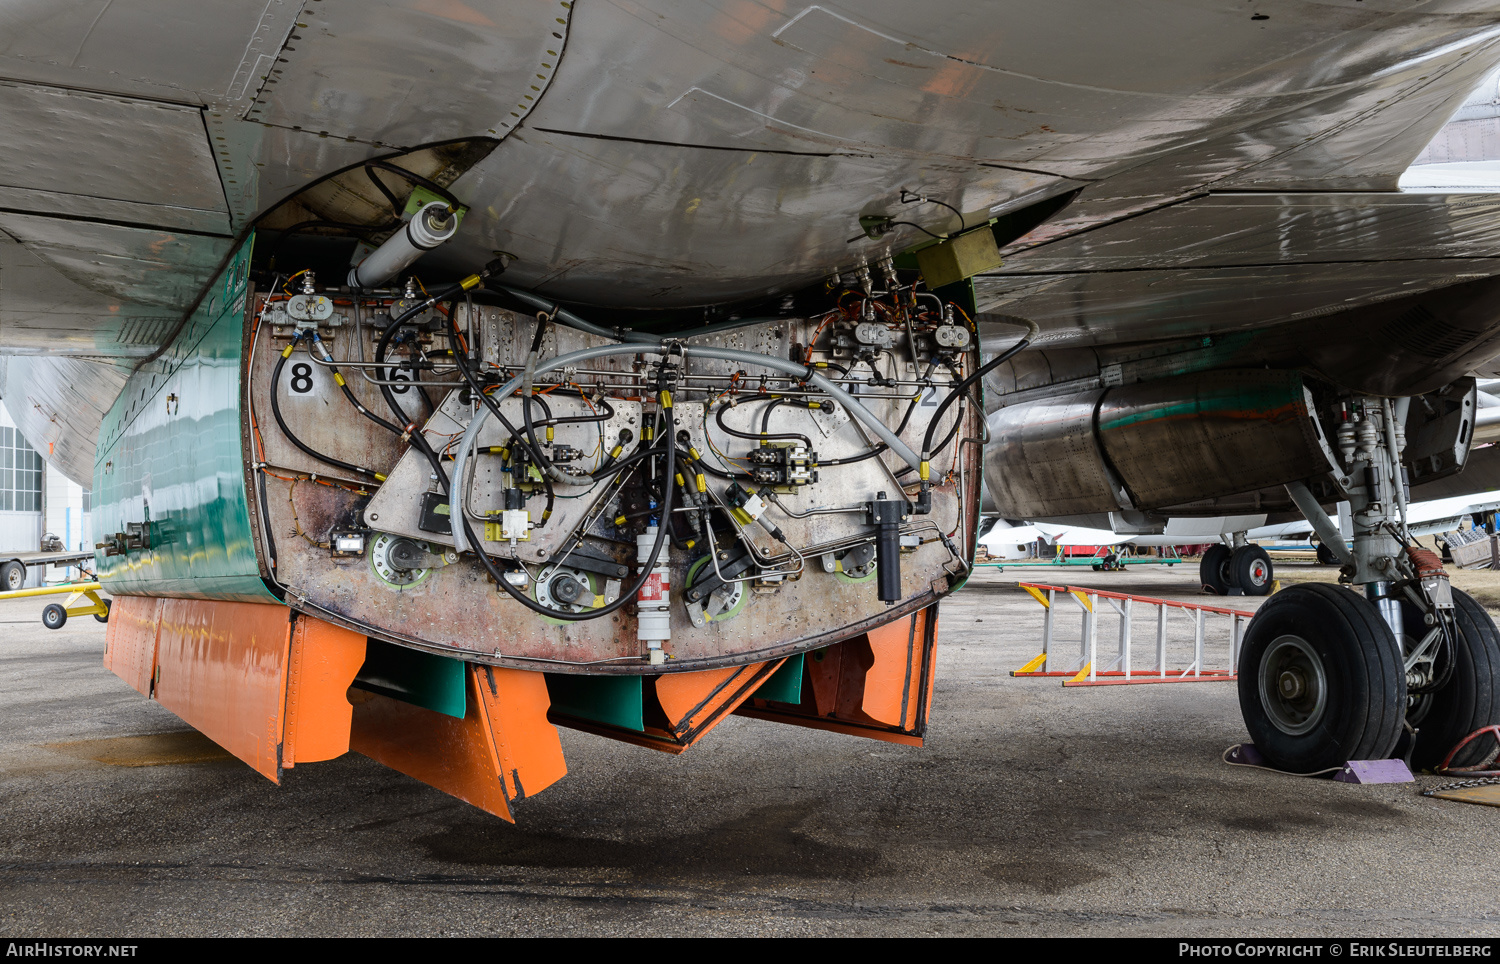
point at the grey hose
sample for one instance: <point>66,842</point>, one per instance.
<point>856,408</point>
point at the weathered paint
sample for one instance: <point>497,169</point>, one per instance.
<point>324,660</point>
<point>222,667</point>
<point>878,685</point>
<point>262,682</point>
<point>502,750</point>
<point>170,455</point>
<point>130,640</point>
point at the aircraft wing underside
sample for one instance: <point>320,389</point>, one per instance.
<point>736,268</point>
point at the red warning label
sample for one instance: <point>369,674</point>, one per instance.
<point>656,589</point>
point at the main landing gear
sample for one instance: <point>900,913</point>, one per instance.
<point>1398,663</point>
<point>1246,568</point>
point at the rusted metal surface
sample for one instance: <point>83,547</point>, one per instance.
<point>130,640</point>
<point>501,751</point>
<point>222,668</point>
<point>455,610</point>
<point>878,685</point>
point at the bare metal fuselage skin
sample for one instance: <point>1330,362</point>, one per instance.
<point>1218,193</point>
<point>685,153</point>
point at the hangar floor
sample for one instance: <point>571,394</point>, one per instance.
<point>1034,810</point>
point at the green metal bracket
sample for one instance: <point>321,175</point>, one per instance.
<point>785,685</point>
<point>420,197</point>
<point>432,682</point>
<point>615,700</point>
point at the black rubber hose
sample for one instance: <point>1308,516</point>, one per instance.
<point>910,409</point>
<point>418,440</point>
<point>963,387</point>
<point>292,437</point>
<point>626,596</point>
<point>474,386</point>
<point>416,179</point>
<point>762,437</point>
<point>606,415</point>
<point>265,515</point>
<point>526,403</point>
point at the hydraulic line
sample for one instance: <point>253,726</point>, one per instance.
<point>528,395</point>
<point>493,408</point>
<point>410,431</point>
<point>963,386</point>
<point>882,447</point>
<point>627,596</point>
<point>292,437</point>
<point>763,437</point>
<point>688,351</point>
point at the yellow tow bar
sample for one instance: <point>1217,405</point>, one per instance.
<point>54,615</point>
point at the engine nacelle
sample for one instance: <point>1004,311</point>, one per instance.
<point>1154,444</point>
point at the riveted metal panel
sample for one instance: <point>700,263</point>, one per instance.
<point>222,668</point>
<point>1043,459</point>
<point>170,457</point>
<point>1210,434</point>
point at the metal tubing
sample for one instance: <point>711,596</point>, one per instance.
<point>52,590</point>
<point>856,408</point>
<point>1161,641</point>
<point>1313,512</point>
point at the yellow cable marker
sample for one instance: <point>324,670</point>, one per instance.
<point>471,282</point>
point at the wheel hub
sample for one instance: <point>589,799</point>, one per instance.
<point>1293,685</point>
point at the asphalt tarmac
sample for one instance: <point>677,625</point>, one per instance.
<point>1033,810</point>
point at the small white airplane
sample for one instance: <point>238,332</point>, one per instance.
<point>1220,570</point>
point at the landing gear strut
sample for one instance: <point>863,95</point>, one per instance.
<point>1327,675</point>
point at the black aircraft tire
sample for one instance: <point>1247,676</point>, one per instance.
<point>1250,568</point>
<point>105,617</point>
<point>53,616</point>
<point>1326,556</point>
<point>1320,680</point>
<point>12,576</point>
<point>1213,571</point>
<point>1471,699</point>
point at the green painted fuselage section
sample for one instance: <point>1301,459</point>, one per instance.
<point>170,455</point>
